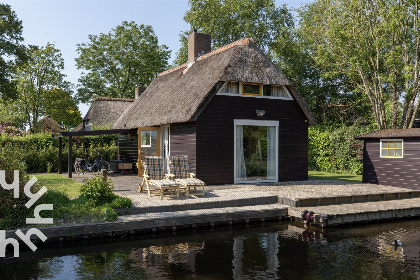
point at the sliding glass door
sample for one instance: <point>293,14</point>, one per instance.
<point>256,155</point>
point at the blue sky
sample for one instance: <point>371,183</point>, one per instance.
<point>69,22</point>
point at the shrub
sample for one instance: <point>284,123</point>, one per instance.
<point>97,190</point>
<point>13,212</point>
<point>120,202</point>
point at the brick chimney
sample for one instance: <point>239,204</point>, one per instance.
<point>198,44</point>
<point>139,90</point>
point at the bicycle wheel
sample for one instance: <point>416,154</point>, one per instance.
<point>77,169</point>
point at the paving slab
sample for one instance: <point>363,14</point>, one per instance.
<point>363,212</point>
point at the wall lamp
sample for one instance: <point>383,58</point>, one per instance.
<point>260,113</point>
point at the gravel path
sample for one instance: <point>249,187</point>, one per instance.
<point>323,188</point>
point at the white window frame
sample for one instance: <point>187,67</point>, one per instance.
<point>256,123</point>
<point>150,139</point>
<point>380,147</point>
<point>219,92</point>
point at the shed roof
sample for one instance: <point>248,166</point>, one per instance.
<point>179,95</point>
<point>391,133</point>
<point>49,125</point>
<point>105,111</point>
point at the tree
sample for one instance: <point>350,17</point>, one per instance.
<point>329,99</point>
<point>37,83</point>
<point>116,62</point>
<point>373,48</point>
<point>62,107</point>
<point>11,114</point>
<point>12,53</point>
<point>231,20</point>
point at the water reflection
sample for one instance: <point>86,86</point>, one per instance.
<point>274,251</point>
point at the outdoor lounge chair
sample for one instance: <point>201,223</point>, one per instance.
<point>154,179</point>
<point>179,168</point>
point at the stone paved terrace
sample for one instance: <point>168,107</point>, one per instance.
<point>126,185</point>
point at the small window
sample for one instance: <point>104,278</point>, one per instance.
<point>230,87</point>
<point>277,91</point>
<point>266,90</point>
<point>392,148</point>
<point>146,139</point>
<point>251,89</point>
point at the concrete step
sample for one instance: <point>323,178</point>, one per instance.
<point>334,215</point>
<point>199,204</point>
<point>223,214</point>
<point>347,199</point>
<point>164,221</point>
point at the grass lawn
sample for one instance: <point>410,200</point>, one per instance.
<point>334,176</point>
<point>58,182</point>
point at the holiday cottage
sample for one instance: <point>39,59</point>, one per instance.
<point>231,110</point>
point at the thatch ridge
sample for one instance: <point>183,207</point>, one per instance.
<point>179,96</point>
<point>173,69</point>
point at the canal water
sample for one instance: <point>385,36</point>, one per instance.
<point>280,250</point>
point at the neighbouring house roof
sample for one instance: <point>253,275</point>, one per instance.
<point>49,125</point>
<point>391,133</point>
<point>179,95</point>
<point>104,111</point>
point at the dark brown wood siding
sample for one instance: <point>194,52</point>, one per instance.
<point>128,147</point>
<point>215,136</point>
<point>183,142</point>
<point>397,172</point>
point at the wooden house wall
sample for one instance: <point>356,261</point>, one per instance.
<point>397,172</point>
<point>215,136</point>
<point>128,147</point>
<point>183,142</point>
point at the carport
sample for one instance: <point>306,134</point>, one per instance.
<point>71,134</point>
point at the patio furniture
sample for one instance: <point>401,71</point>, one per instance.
<point>179,168</point>
<point>154,178</point>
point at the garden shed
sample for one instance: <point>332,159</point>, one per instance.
<point>231,110</point>
<point>391,157</point>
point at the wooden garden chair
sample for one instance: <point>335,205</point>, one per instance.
<point>179,168</point>
<point>155,180</point>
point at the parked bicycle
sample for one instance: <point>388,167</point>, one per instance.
<point>82,165</point>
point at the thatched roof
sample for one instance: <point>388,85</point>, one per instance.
<point>48,125</point>
<point>180,94</point>
<point>392,133</point>
<point>104,111</point>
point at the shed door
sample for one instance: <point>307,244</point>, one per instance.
<point>256,151</point>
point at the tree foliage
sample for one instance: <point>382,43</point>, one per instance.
<point>373,48</point>
<point>231,20</point>
<point>12,52</point>
<point>42,88</point>
<point>328,98</point>
<point>116,62</point>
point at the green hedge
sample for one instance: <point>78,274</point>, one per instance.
<point>333,148</point>
<point>41,150</point>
